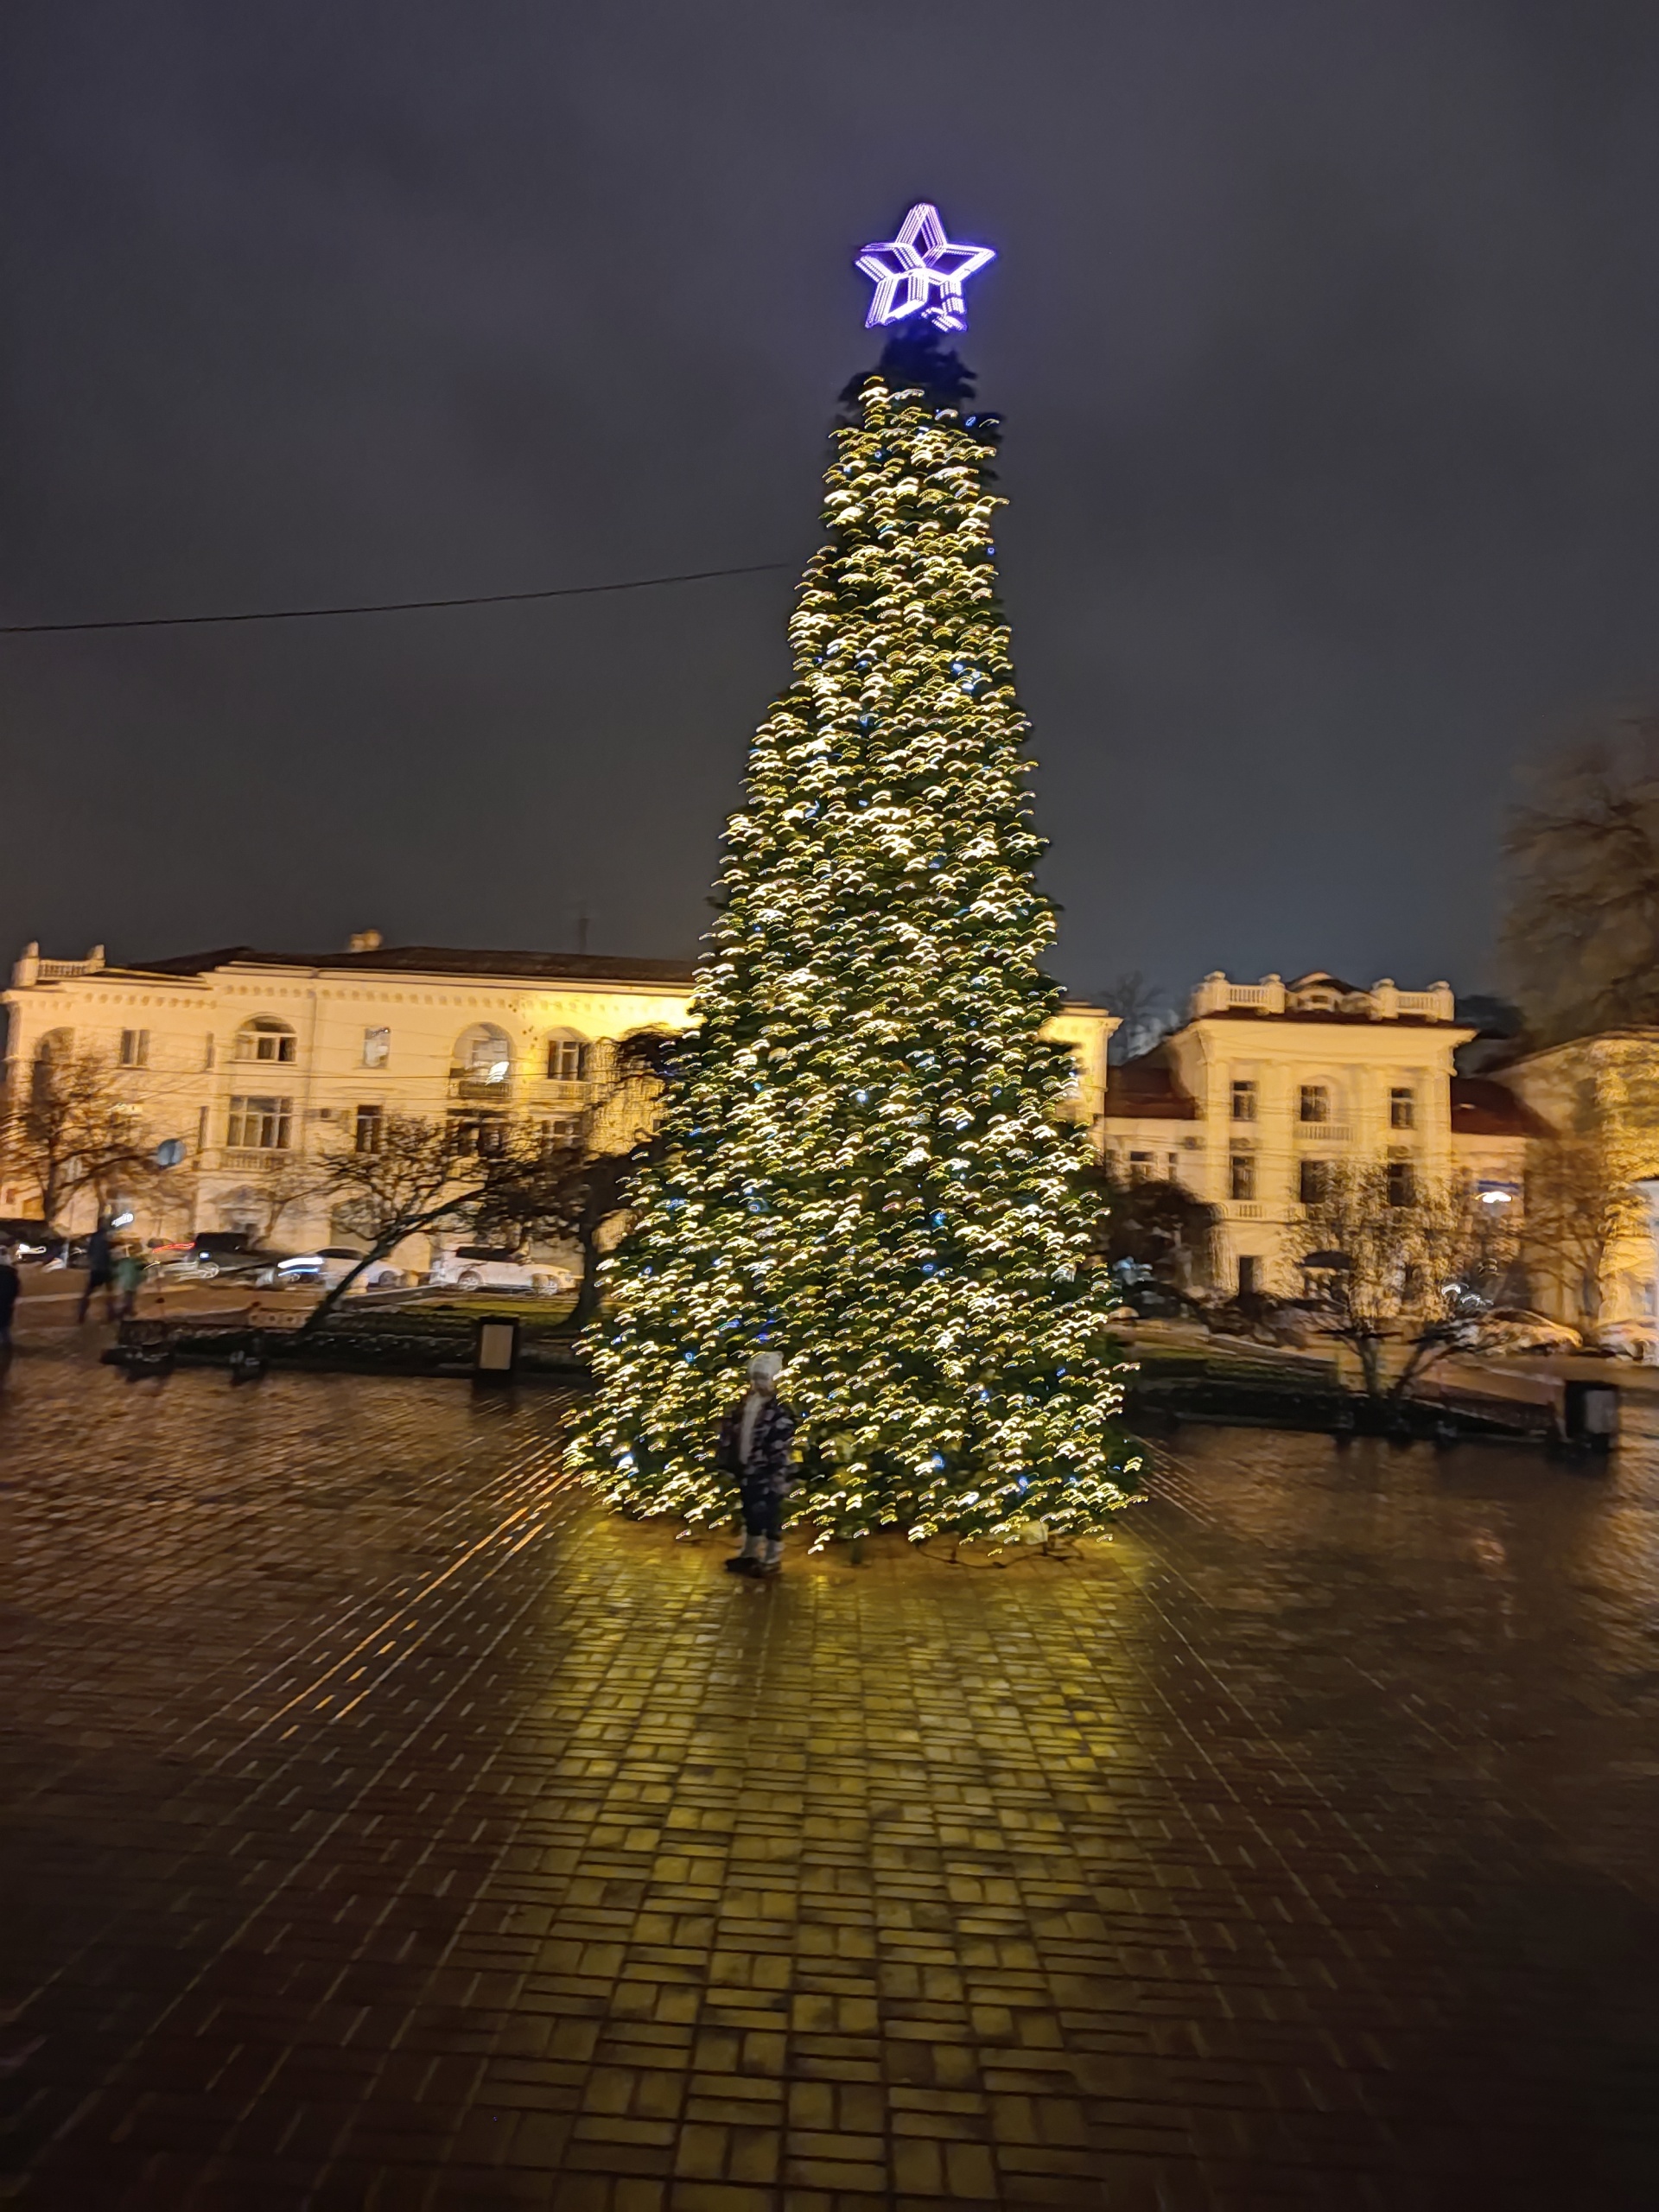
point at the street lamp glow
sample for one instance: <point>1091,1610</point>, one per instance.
<point>920,272</point>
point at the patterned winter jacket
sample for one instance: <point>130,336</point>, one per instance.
<point>774,1432</point>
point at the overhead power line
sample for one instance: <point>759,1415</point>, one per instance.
<point>388,606</point>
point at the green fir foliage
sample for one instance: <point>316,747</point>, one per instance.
<point>868,1161</point>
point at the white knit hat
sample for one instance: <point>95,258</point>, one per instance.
<point>766,1367</point>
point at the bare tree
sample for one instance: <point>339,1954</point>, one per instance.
<point>1387,1243</point>
<point>1581,934</point>
<point>1144,1012</point>
<point>575,1186</point>
<point>1580,1207</point>
<point>289,1180</point>
<point>1581,1204</point>
<point>67,1129</point>
<point>414,1175</point>
<point>1156,1222</point>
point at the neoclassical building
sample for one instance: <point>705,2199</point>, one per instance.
<point>1266,1083</point>
<point>256,1063</point>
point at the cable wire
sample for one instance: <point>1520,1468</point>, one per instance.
<point>389,605</point>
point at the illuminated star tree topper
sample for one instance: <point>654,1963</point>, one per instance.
<point>920,272</point>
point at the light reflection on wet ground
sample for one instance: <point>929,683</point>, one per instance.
<point>386,1827</point>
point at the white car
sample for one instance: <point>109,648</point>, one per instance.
<point>1512,1329</point>
<point>487,1266</point>
<point>1628,1340</point>
<point>328,1266</point>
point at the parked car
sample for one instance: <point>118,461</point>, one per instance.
<point>1626,1340</point>
<point>1160,1301</point>
<point>487,1266</point>
<point>328,1266</point>
<point>30,1241</point>
<point>216,1253</point>
<point>1512,1329</point>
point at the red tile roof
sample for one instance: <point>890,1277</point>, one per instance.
<point>1144,1089</point>
<point>1482,1107</point>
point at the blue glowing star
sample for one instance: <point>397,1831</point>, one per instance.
<point>910,271</point>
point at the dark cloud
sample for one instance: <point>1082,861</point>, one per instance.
<point>1325,338</point>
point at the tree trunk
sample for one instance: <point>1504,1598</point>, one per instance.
<point>330,1299</point>
<point>588,1290</point>
<point>1368,1346</point>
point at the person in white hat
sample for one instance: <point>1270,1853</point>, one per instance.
<point>755,1438</point>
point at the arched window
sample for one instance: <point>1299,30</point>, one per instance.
<point>481,1064</point>
<point>567,1056</point>
<point>265,1038</point>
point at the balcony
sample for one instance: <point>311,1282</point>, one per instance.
<point>479,1089</point>
<point>1324,1133</point>
<point>552,1090</point>
<point>1243,1208</point>
<point>254,1163</point>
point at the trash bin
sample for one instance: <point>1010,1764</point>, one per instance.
<point>495,1354</point>
<point>1590,1414</point>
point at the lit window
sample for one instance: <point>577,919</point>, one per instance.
<point>377,1047</point>
<point>259,1125</point>
<point>370,1128</point>
<point>1315,1102</point>
<point>1243,1102</point>
<point>135,1048</point>
<point>264,1039</point>
<point>567,1060</point>
<point>1242,1175</point>
<point>1402,1187</point>
<point>482,1065</point>
<point>1402,1109</point>
<point>483,1136</point>
<point>1313,1180</point>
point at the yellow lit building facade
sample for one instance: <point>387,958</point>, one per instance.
<point>259,1063</point>
<point>1265,1082</point>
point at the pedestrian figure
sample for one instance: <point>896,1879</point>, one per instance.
<point>755,1441</point>
<point>131,1268</point>
<point>11,1285</point>
<point>100,1270</point>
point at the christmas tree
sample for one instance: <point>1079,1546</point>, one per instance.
<point>867,1160</point>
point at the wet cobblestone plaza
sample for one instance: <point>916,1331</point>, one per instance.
<point>385,1827</point>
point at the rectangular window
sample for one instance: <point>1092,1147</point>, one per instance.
<point>208,1051</point>
<point>202,1129</point>
<point>482,1136</point>
<point>561,1131</point>
<point>1315,1102</point>
<point>135,1048</point>
<point>377,1047</point>
<point>1243,1102</point>
<point>1402,1187</point>
<point>267,1044</point>
<point>1313,1180</point>
<point>371,1126</point>
<point>259,1124</point>
<point>1139,1167</point>
<point>1241,1169</point>
<point>566,1060</point>
<point>1402,1109</point>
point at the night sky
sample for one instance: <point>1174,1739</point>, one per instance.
<point>1326,339</point>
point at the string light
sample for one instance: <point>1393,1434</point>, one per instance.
<point>866,1157</point>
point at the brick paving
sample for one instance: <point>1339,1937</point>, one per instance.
<point>386,1827</point>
